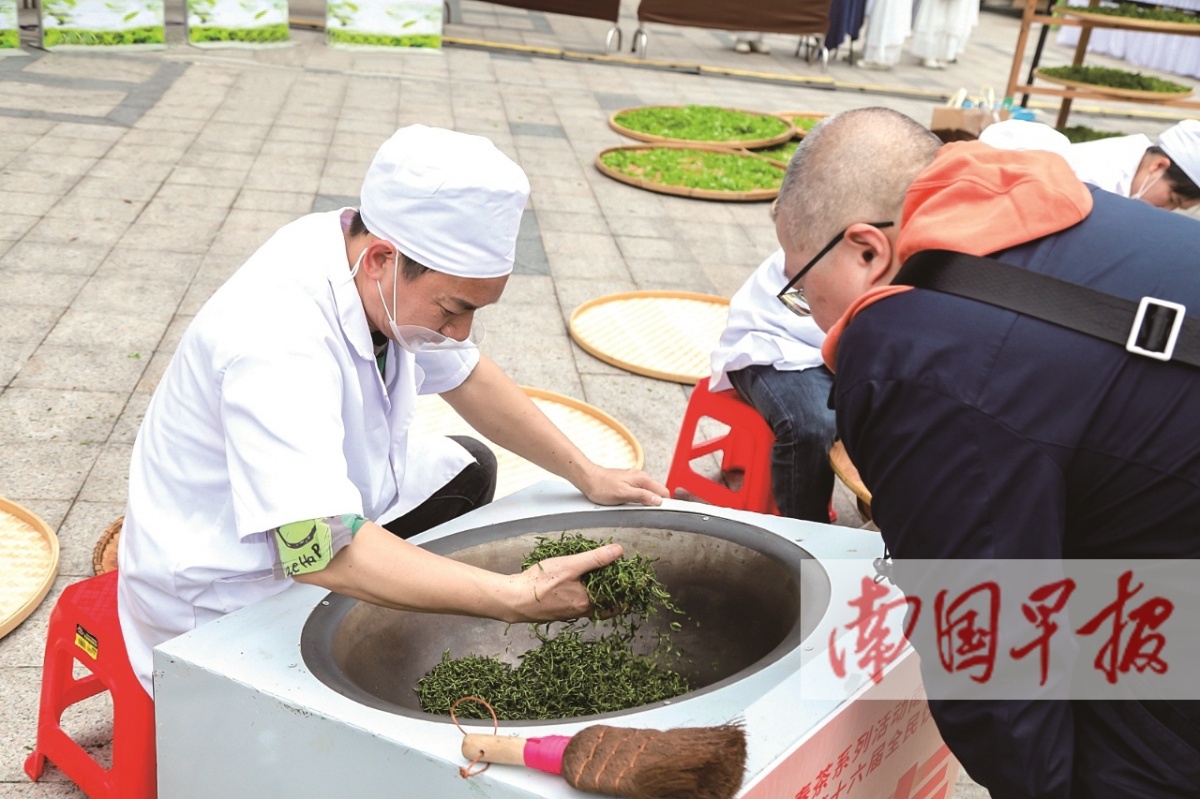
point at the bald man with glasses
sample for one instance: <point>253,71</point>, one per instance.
<point>985,434</point>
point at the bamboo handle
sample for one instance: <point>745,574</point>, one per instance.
<point>505,749</point>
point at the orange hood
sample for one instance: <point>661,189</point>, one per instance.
<point>979,200</point>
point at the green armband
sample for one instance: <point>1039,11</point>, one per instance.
<point>309,546</point>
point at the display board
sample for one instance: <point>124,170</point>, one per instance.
<point>384,24</point>
<point>768,16</point>
<point>592,9</point>
<point>233,23</point>
<point>102,23</point>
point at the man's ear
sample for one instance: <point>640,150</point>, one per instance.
<point>874,250</point>
<point>1160,163</point>
<point>379,258</point>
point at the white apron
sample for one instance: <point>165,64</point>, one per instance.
<point>271,411</point>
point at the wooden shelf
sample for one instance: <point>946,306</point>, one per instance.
<point>1081,18</point>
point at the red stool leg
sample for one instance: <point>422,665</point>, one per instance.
<point>84,627</point>
<point>745,447</point>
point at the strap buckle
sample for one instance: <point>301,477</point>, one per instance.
<point>1155,328</point>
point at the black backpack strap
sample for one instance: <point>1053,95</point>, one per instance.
<point>1153,328</point>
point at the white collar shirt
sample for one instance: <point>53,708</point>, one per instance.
<point>272,410</point>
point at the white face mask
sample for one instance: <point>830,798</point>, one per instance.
<point>415,338</point>
<point>1146,184</point>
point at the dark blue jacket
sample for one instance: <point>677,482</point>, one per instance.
<point>983,434</point>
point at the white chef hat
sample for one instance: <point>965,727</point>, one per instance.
<point>1182,143</point>
<point>447,200</point>
<point>1019,134</point>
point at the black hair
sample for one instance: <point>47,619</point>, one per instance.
<point>409,268</point>
<point>1183,185</point>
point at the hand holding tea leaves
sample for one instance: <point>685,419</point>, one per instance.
<point>571,674</point>
<point>555,584</point>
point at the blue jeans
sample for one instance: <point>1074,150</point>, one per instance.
<point>796,406</point>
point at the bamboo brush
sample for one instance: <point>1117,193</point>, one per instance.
<point>685,763</point>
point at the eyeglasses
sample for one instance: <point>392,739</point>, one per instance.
<point>793,298</point>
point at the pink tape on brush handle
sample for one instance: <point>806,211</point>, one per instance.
<point>546,753</point>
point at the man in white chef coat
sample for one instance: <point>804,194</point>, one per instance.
<point>1165,175</point>
<point>277,442</point>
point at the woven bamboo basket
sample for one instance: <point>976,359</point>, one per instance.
<point>756,195</point>
<point>735,143</point>
<point>600,437</point>
<point>1116,21</point>
<point>792,116</point>
<point>104,554</point>
<point>668,335</point>
<point>28,566</point>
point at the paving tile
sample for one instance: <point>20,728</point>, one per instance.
<point>20,180</point>
<point>77,205</point>
<point>14,226</point>
<point>674,274</point>
<point>645,248</point>
<point>79,532</point>
<point>91,329</point>
<point>49,255</point>
<point>204,196</point>
<point>117,188</point>
<point>45,469</point>
<point>26,203</point>
<point>126,428</point>
<point>133,263</point>
<point>109,478</point>
<point>30,323</point>
<point>651,410</point>
<point>73,369</point>
<point>13,354</point>
<point>71,146</point>
<point>132,168</point>
<point>73,417</point>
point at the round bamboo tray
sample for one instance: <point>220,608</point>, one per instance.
<point>104,554</point>
<point>599,436</point>
<point>1113,91</point>
<point>1130,22</point>
<point>28,566</point>
<point>755,195</point>
<point>847,472</point>
<point>792,116</point>
<point>668,335</point>
<point>733,143</point>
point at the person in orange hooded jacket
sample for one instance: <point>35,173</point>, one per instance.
<point>986,434</point>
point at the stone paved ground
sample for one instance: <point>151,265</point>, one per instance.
<point>133,184</point>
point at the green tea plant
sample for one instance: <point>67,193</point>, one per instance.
<point>702,123</point>
<point>213,33</point>
<point>696,169</point>
<point>147,35</point>
<point>1114,78</point>
<point>428,40</point>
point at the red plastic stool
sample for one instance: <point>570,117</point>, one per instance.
<point>84,627</point>
<point>745,447</point>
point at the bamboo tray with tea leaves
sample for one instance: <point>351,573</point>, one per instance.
<point>1115,82</point>
<point>707,124</point>
<point>1130,16</point>
<point>694,170</point>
